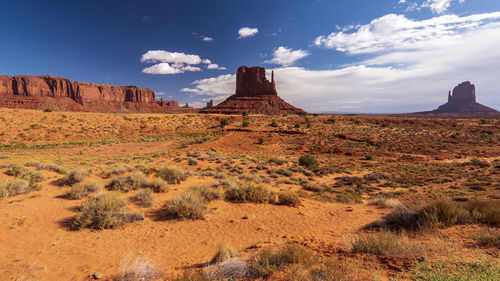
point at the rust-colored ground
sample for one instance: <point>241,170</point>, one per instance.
<point>422,159</point>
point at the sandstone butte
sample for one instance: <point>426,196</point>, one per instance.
<point>41,92</point>
<point>255,94</point>
<point>462,103</point>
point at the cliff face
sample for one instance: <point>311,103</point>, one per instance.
<point>252,81</point>
<point>57,87</point>
<point>38,92</point>
<point>462,103</point>
<point>254,94</point>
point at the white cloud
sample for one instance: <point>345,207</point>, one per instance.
<point>410,70</point>
<point>439,6</point>
<point>247,32</point>
<point>285,56</point>
<point>171,57</point>
<point>207,39</point>
<point>396,32</point>
<point>166,68</point>
<point>215,66</point>
<point>166,62</point>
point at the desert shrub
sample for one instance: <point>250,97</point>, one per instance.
<point>24,173</point>
<point>273,124</point>
<point>82,189</point>
<point>139,269</point>
<point>288,198</point>
<point>47,109</point>
<point>349,198</point>
<point>189,205</point>
<point>74,176</point>
<point>251,192</point>
<point>224,122</point>
<point>144,198</point>
<point>443,214</point>
<point>192,162</point>
<point>488,238</point>
<point>456,270</point>
<point>385,243</point>
<point>117,169</point>
<point>223,253</point>
<point>11,187</point>
<point>134,181</point>
<point>107,210</point>
<point>228,269</point>
<point>308,161</point>
<point>331,270</point>
<point>158,185</point>
<point>206,192</point>
<point>276,161</point>
<point>172,174</point>
<point>267,263</point>
<point>384,202</point>
<point>48,167</point>
<point>245,123</point>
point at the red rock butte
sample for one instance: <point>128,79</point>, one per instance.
<point>462,102</point>
<point>40,92</point>
<point>255,94</point>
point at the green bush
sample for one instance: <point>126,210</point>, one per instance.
<point>47,109</point>
<point>308,161</point>
<point>172,174</point>
<point>224,122</point>
<point>82,189</point>
<point>245,123</point>
<point>251,192</point>
<point>273,124</point>
<point>107,210</point>
<point>288,198</point>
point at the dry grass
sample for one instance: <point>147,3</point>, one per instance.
<point>82,189</point>
<point>139,269</point>
<point>384,244</point>
<point>251,192</point>
<point>107,210</point>
<point>189,205</point>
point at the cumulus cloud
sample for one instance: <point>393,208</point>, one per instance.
<point>207,39</point>
<point>285,56</point>
<point>436,6</point>
<point>396,32</point>
<point>166,62</point>
<point>411,70</point>
<point>215,66</point>
<point>247,32</point>
<point>439,6</point>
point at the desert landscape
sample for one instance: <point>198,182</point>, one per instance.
<point>220,196</point>
<point>325,149</point>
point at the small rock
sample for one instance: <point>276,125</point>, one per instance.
<point>97,275</point>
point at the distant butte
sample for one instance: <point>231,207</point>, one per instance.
<point>254,94</point>
<point>40,92</point>
<point>462,103</point>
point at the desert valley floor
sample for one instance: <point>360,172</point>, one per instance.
<point>337,214</point>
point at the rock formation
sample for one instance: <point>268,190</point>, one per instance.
<point>39,92</point>
<point>254,94</point>
<point>462,102</point>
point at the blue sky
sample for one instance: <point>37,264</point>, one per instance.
<point>329,56</point>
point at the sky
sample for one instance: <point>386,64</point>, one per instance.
<point>359,56</point>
